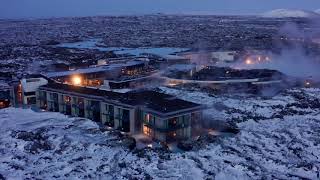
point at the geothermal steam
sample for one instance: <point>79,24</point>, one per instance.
<point>292,60</point>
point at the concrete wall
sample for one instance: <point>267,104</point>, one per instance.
<point>132,121</point>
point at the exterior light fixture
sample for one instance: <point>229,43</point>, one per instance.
<point>76,80</point>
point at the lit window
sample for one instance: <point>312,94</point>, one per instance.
<point>67,99</point>
<point>147,131</point>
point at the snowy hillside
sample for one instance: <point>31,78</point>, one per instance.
<point>279,138</point>
<point>287,13</point>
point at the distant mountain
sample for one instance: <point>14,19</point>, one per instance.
<point>288,13</point>
<point>317,11</point>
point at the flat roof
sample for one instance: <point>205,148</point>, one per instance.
<point>96,69</point>
<point>59,87</point>
<point>157,102</point>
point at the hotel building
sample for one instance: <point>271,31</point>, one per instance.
<point>161,117</point>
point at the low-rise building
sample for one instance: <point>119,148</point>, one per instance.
<point>94,76</point>
<point>224,56</point>
<point>29,87</point>
<point>159,116</point>
<point>5,95</point>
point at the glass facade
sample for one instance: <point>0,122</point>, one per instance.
<point>109,115</point>
<point>43,100</point>
<point>66,105</point>
<point>156,127</point>
<point>78,106</point>
<point>53,103</point>
<point>123,116</point>
<point>166,129</point>
<point>93,110</point>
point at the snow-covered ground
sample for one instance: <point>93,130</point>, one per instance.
<point>95,44</point>
<point>278,139</point>
<point>289,13</point>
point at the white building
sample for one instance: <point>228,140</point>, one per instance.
<point>224,56</point>
<point>29,87</point>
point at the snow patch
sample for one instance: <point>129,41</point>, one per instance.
<point>42,145</point>
<point>289,13</point>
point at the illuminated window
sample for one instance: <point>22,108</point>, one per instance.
<point>67,99</point>
<point>147,131</point>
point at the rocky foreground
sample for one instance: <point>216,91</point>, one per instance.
<point>278,138</point>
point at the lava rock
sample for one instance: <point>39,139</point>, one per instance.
<point>279,116</point>
<point>231,127</point>
<point>185,145</point>
<point>129,142</point>
<point>116,133</point>
<point>122,165</point>
<point>27,136</point>
<point>232,130</point>
<point>314,104</point>
<point>205,139</point>
<point>37,146</point>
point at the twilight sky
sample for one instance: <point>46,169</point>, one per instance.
<point>61,8</point>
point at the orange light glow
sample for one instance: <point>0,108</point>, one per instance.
<point>172,84</point>
<point>147,131</point>
<point>76,80</point>
<point>249,62</point>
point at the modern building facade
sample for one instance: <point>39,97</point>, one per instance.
<point>161,117</point>
<point>6,93</point>
<point>29,87</point>
<point>94,76</point>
